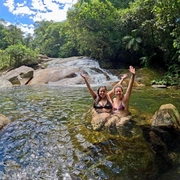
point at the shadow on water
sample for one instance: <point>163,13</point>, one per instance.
<point>50,136</point>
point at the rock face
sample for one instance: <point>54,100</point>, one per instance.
<point>18,76</point>
<point>98,120</point>
<point>56,76</point>
<point>166,116</point>
<point>5,83</point>
<point>112,123</point>
<point>56,71</point>
<point>3,121</point>
<point>164,135</point>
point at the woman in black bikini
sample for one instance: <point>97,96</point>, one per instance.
<point>121,101</point>
<point>102,101</point>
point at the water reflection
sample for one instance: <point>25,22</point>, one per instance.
<point>50,136</point>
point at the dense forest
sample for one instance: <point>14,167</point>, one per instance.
<point>143,33</point>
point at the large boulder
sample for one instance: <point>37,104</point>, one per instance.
<point>56,76</point>
<point>166,116</point>
<point>18,76</point>
<point>3,121</point>
<point>5,83</point>
<point>98,120</point>
<point>164,135</point>
<point>113,123</point>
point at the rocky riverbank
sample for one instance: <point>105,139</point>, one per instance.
<point>56,71</point>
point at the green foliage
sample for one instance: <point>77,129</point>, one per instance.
<point>172,77</point>
<point>28,40</point>
<point>132,41</point>
<point>138,32</point>
<point>68,41</point>
<point>19,55</point>
<point>115,3</point>
<point>4,60</point>
<point>14,36</point>
<point>10,35</point>
<point>84,1</point>
<point>39,34</point>
<point>159,82</point>
<point>94,28</point>
<point>121,3</point>
<point>168,24</point>
<point>49,38</point>
<point>146,61</point>
<point>3,37</point>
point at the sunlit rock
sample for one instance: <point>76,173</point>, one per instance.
<point>117,120</point>
<point>167,115</point>
<point>3,121</point>
<point>43,57</point>
<point>54,75</point>
<point>158,86</point>
<point>19,76</point>
<point>164,135</point>
<point>113,123</point>
<point>98,120</point>
<point>5,83</point>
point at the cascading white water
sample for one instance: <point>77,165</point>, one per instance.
<point>89,67</point>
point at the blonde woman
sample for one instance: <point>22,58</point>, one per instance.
<point>121,100</point>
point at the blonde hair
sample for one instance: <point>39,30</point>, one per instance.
<point>118,86</point>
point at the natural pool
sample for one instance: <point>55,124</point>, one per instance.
<point>50,136</point>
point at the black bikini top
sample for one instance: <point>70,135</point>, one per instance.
<point>108,105</point>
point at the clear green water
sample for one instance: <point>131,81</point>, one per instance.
<point>50,136</point>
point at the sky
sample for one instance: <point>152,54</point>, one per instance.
<point>24,13</point>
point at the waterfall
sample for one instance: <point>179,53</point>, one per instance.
<point>89,67</point>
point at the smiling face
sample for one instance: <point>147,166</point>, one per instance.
<point>102,92</point>
<point>118,91</point>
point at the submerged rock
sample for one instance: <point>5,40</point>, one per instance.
<point>163,134</point>
<point>98,120</point>
<point>148,149</point>
<point>115,124</point>
<point>3,121</point>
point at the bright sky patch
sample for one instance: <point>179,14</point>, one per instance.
<point>23,13</point>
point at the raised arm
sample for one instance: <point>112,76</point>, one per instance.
<point>130,85</point>
<point>93,94</point>
<point>111,92</point>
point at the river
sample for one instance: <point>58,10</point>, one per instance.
<point>50,135</point>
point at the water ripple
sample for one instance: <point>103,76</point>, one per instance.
<point>48,137</point>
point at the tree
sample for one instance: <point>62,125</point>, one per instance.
<point>3,36</point>
<point>14,36</point>
<point>20,55</point>
<point>69,44</point>
<point>28,40</point>
<point>39,34</point>
<point>94,25</point>
<point>52,40</point>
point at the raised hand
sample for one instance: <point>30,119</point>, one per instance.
<point>132,70</point>
<point>123,76</point>
<point>82,75</point>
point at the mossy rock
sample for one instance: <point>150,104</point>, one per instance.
<point>143,75</point>
<point>146,75</point>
